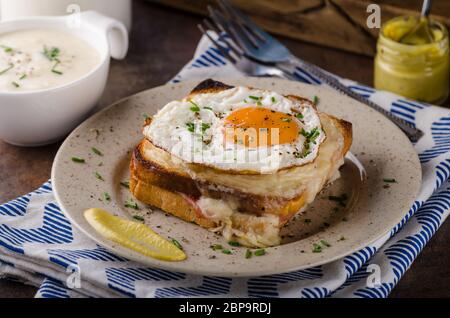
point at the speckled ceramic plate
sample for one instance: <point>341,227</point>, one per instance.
<point>372,210</point>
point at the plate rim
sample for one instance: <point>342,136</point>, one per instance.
<point>178,266</point>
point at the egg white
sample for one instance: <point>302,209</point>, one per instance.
<point>171,130</point>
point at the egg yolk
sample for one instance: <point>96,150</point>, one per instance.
<point>258,126</point>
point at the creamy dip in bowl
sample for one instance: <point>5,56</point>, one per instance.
<point>53,72</point>
<point>43,58</point>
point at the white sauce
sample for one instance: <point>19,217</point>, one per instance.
<point>25,67</point>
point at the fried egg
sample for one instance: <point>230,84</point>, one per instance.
<point>240,129</point>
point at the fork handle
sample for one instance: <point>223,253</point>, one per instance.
<point>413,133</point>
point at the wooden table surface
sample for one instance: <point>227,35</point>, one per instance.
<point>162,41</point>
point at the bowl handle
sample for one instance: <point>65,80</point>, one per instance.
<point>115,32</point>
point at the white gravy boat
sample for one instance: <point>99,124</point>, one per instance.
<point>32,118</point>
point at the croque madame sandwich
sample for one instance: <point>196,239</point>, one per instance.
<point>238,160</point>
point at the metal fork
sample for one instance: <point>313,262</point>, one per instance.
<point>260,46</point>
<point>242,63</point>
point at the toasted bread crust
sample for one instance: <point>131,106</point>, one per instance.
<point>209,86</point>
<point>152,173</point>
<point>168,201</point>
<point>346,130</point>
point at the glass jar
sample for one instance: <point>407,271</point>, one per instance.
<point>420,71</point>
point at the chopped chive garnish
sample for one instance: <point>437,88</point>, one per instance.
<point>304,133</point>
<point>299,116</point>
<point>302,154</point>
<point>131,204</point>
<point>390,180</point>
<point>54,70</point>
<point>138,218</point>
<point>52,54</point>
<point>286,120</point>
<point>190,127</point>
<point>274,100</point>
<point>325,243</point>
<point>195,108</point>
<point>217,247</point>
<point>7,49</point>
<point>206,107</point>
<point>99,176</point>
<point>228,252</point>
<point>307,146</point>
<point>107,196</point>
<point>23,76</point>
<point>260,252</point>
<point>205,127</point>
<point>313,134</point>
<point>15,84</point>
<point>78,160</point>
<point>315,100</point>
<point>125,184</point>
<point>317,248</point>
<point>146,116</point>
<point>57,72</point>
<point>6,69</point>
<point>96,151</point>
<point>248,254</point>
<point>255,98</point>
<point>177,244</point>
<point>234,243</point>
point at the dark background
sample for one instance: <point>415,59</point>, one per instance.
<point>162,41</point>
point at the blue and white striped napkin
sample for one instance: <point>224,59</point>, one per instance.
<point>39,246</point>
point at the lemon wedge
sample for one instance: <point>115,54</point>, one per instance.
<point>133,235</point>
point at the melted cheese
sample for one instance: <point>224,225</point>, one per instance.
<point>247,229</point>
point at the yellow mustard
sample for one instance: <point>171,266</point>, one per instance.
<point>418,69</point>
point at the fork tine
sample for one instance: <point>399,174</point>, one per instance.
<point>233,31</point>
<point>242,63</point>
<point>220,21</point>
<point>223,50</point>
<point>219,29</point>
<point>235,23</point>
<point>245,22</point>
